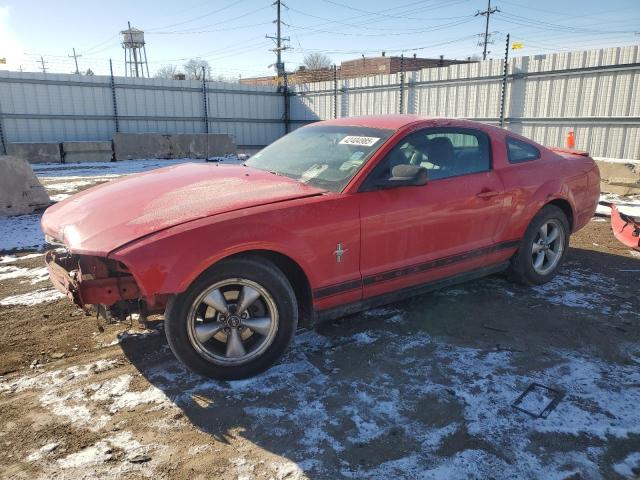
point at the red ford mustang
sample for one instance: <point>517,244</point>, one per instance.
<point>336,217</point>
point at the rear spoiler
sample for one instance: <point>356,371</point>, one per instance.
<point>569,151</point>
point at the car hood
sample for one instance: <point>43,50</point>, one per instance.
<point>103,218</point>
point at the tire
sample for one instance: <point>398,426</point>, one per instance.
<point>523,268</point>
<point>204,328</point>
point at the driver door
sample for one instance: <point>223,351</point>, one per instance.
<point>412,235</point>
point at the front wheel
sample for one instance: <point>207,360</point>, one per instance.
<point>234,321</point>
<point>543,248</point>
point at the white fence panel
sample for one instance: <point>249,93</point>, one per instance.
<point>596,93</point>
<point>38,107</point>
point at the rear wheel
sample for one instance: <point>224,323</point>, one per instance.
<point>234,321</point>
<point>543,248</point>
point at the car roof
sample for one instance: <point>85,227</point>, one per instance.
<point>394,122</point>
<point>397,121</point>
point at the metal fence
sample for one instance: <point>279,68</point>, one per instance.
<point>39,107</point>
<point>596,93</point>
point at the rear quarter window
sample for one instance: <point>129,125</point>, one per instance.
<point>519,151</point>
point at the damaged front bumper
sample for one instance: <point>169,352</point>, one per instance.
<point>90,280</point>
<point>625,228</point>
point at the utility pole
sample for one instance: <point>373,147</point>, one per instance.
<point>75,58</point>
<point>42,62</point>
<point>487,13</point>
<point>279,39</point>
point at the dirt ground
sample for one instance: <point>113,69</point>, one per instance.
<point>419,389</point>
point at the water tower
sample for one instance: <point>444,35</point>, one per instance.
<point>135,54</point>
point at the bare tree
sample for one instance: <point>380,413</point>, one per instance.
<point>317,61</point>
<point>193,69</point>
<point>167,71</point>
<point>89,72</point>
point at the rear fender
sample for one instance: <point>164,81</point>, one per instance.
<point>549,191</point>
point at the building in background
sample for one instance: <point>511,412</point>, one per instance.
<point>359,67</point>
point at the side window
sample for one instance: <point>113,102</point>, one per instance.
<point>444,152</point>
<point>455,151</point>
<point>519,151</point>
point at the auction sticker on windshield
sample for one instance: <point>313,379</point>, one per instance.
<point>357,140</point>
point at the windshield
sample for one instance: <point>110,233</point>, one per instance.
<point>325,156</point>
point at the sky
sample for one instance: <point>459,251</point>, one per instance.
<point>230,34</point>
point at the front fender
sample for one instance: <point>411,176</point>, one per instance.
<point>305,230</point>
<point>169,262</point>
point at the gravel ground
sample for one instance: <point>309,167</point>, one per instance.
<point>419,389</point>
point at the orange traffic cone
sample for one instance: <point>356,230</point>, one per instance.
<point>571,140</point>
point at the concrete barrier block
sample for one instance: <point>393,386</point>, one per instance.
<point>201,145</point>
<point>43,152</point>
<point>74,152</point>
<point>619,176</point>
<point>130,146</point>
<point>20,190</point>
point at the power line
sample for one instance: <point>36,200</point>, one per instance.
<point>548,26</point>
<point>199,17</point>
<point>386,15</point>
<point>97,46</point>
<point>360,25</point>
<point>396,34</point>
<point>196,32</point>
<point>487,13</point>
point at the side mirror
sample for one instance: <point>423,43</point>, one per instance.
<point>405,176</point>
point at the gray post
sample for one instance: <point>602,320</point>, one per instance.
<point>335,92</point>
<point>401,106</point>
<point>113,96</point>
<point>285,91</point>
<point>205,117</point>
<point>504,82</point>
<point>2,140</point>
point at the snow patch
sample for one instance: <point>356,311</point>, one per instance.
<point>577,288</point>
<point>47,380</point>
<point>629,467</point>
<point>13,258</point>
<point>34,275</point>
<point>42,451</point>
<point>629,204</point>
<point>130,400</point>
<point>364,338</point>
<point>21,232</point>
<point>42,295</point>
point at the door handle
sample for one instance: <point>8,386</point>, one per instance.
<point>487,194</point>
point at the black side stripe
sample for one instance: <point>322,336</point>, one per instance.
<point>440,262</point>
<point>411,270</point>
<point>337,288</point>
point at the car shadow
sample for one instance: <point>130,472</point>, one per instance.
<point>401,386</point>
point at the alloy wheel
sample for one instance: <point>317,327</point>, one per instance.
<point>548,247</point>
<point>232,321</point>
